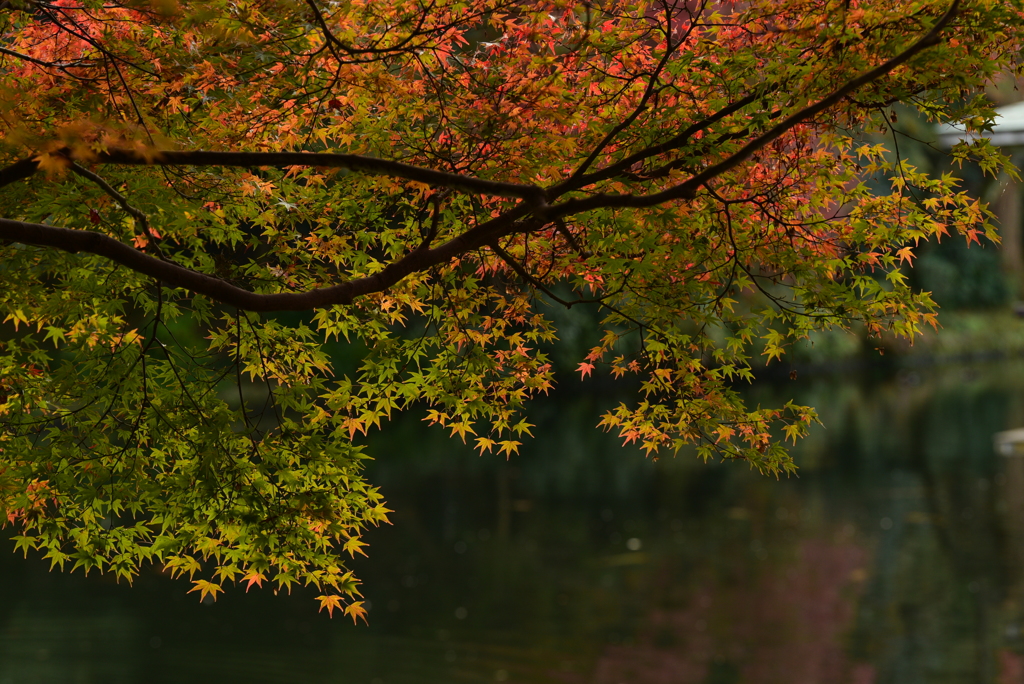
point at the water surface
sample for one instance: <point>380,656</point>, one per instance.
<point>897,555</point>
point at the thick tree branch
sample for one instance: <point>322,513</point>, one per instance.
<point>18,171</point>
<point>419,259</point>
<point>76,241</point>
<point>25,168</point>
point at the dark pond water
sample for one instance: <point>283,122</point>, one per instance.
<point>896,556</point>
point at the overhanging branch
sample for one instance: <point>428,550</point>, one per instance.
<point>421,258</point>
<point>353,162</point>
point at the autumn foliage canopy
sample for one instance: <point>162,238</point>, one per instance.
<point>198,198</point>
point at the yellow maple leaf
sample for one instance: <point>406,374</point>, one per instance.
<point>205,589</point>
<point>355,610</point>
<point>354,546</point>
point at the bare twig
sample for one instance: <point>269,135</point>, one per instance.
<point>140,218</point>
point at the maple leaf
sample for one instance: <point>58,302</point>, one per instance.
<point>356,610</point>
<point>354,546</point>
<point>509,447</point>
<point>253,578</point>
<point>330,602</point>
<point>906,254</point>
<point>206,588</point>
<point>52,164</point>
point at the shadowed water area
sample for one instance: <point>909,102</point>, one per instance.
<point>897,555</point>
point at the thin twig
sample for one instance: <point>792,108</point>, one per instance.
<point>140,218</point>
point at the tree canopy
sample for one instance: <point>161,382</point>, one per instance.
<point>199,201</point>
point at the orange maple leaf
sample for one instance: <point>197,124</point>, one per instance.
<point>330,603</point>
<point>52,163</point>
<point>254,578</point>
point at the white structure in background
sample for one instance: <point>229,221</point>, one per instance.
<point>1008,129</point>
<point>1008,132</point>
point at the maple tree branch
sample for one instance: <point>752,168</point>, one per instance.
<point>19,170</point>
<point>675,142</point>
<point>668,167</point>
<point>539,284</point>
<point>372,165</point>
<point>75,241</point>
<point>328,34</point>
<point>564,231</point>
<point>138,215</point>
<point>688,188</point>
<point>649,92</point>
<point>50,11</point>
<point>37,62</point>
<point>525,275</point>
<point>333,40</point>
<point>420,258</point>
<point>640,108</point>
<point>404,45</point>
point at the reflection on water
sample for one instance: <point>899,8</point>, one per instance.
<point>896,556</point>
